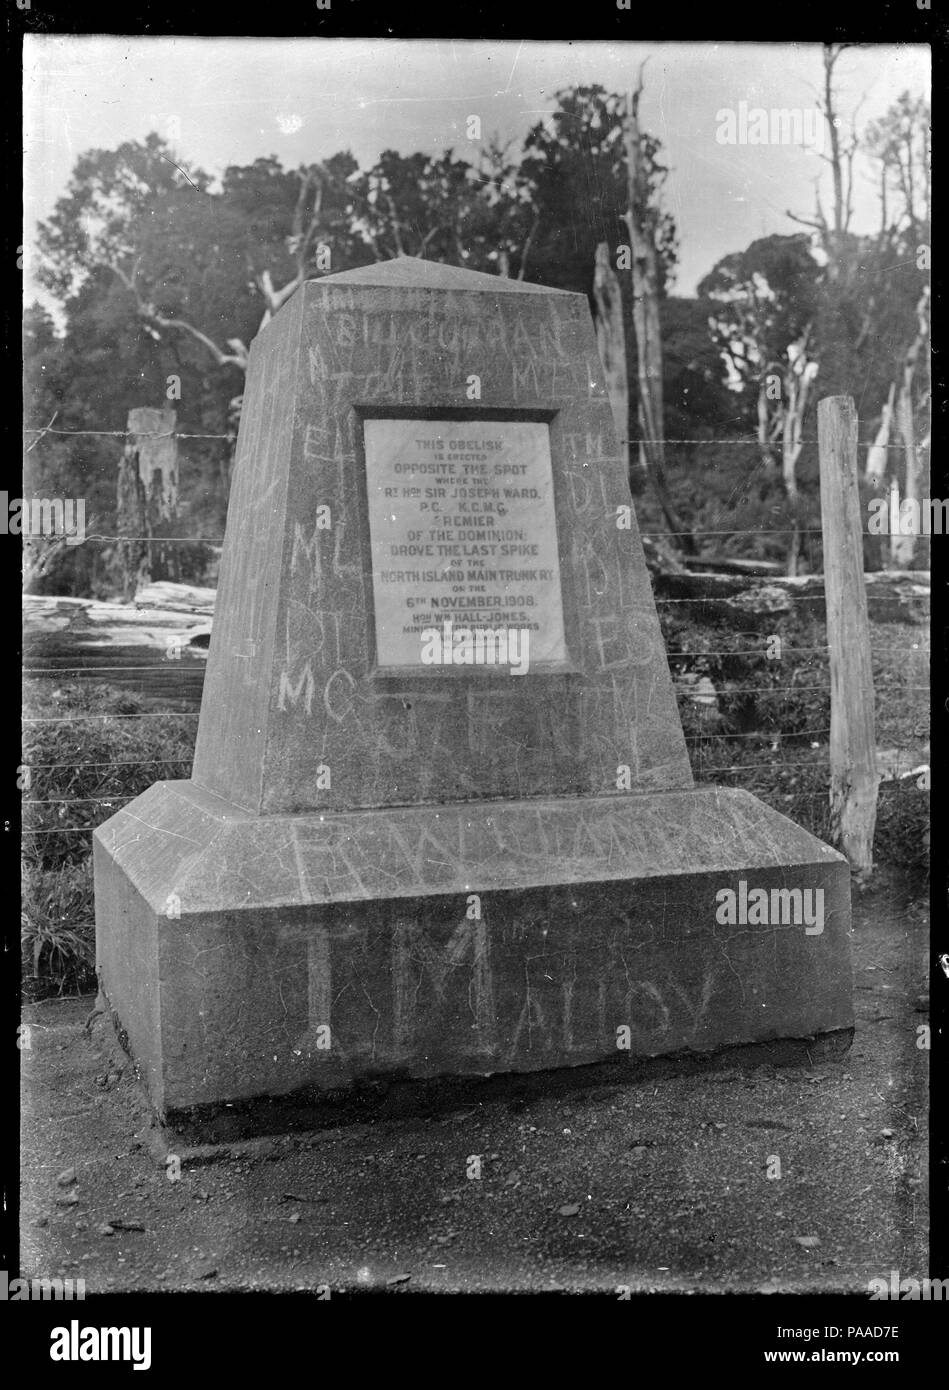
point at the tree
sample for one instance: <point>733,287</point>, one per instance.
<point>510,214</point>
<point>43,389</point>
<point>446,209</point>
<point>415,205</point>
<point>108,193</point>
<point>575,166</point>
<point>764,302</point>
<point>873,293</point>
<point>588,168</point>
<point>211,265</point>
<point>899,147</point>
<point>645,222</point>
<point>163,277</point>
<point>697,400</point>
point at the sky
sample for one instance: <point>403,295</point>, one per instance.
<point>230,101</point>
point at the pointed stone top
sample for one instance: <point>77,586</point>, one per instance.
<point>412,273</point>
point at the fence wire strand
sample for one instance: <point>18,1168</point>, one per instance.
<point>700,742</point>
<point>728,441</point>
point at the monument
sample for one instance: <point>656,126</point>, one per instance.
<point>441,817</point>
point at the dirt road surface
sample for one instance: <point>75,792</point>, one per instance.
<point>599,1178</point>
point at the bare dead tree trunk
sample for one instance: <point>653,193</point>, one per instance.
<point>904,547</point>
<point>798,379</point>
<point>646,319</point>
<point>876,469</point>
<point>765,427</point>
<point>893,513</point>
<point>789,456</point>
<point>611,341</point>
<point>831,53</point>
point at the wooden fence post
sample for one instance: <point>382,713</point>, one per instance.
<point>853,774</point>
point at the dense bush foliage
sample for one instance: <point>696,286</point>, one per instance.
<point>82,767</point>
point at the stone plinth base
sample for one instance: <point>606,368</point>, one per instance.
<point>249,956</point>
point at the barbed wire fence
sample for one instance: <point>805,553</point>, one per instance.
<point>699,694</point>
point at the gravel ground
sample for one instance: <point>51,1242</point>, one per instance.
<point>656,1179</point>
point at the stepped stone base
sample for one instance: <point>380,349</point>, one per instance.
<point>246,956</point>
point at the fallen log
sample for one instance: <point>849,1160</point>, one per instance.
<point>893,596</point>
<point>157,645</point>
<point>166,613</point>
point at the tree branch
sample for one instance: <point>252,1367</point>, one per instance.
<point>237,358</point>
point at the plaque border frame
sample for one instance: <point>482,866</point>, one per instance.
<point>543,415</point>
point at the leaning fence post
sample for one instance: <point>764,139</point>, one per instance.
<point>853,774</point>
